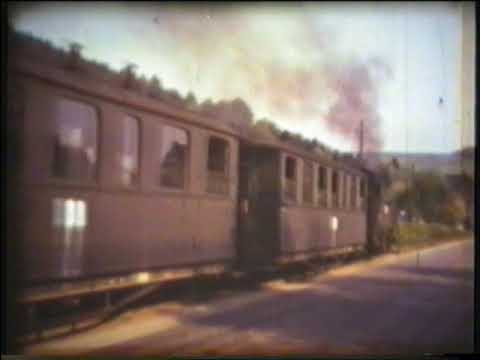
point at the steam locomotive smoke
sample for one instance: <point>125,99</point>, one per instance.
<point>357,90</point>
<point>281,72</point>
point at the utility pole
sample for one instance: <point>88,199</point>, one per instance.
<point>412,194</point>
<point>360,140</point>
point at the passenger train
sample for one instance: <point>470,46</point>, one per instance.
<point>110,182</point>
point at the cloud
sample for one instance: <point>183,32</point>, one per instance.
<point>357,86</point>
<point>292,67</point>
<point>287,65</point>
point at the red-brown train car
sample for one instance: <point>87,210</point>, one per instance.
<point>112,181</point>
<point>296,204</point>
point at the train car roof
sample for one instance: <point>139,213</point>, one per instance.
<point>38,59</point>
<point>323,158</point>
<point>33,58</point>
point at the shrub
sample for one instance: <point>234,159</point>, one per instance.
<point>411,234</point>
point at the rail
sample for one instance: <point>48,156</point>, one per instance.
<point>138,285</point>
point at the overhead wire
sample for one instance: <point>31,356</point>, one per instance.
<point>462,117</point>
<point>442,97</point>
<point>406,81</point>
<point>406,113</point>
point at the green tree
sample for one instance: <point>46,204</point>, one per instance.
<point>454,211</point>
<point>75,54</point>
<point>191,100</point>
<point>207,106</point>
<point>155,83</point>
<point>425,196</point>
<point>128,72</point>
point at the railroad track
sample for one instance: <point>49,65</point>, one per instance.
<point>74,313</point>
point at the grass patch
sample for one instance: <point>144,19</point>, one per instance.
<point>411,236</point>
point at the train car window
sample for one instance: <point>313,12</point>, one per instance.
<point>290,179</point>
<point>335,188</point>
<point>217,166</point>
<point>173,157</point>
<point>75,144</point>
<point>128,158</point>
<point>362,193</point>
<point>345,191</point>
<point>308,183</point>
<point>322,186</point>
<point>353,192</point>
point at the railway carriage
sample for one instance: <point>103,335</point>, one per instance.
<point>296,204</point>
<point>112,182</point>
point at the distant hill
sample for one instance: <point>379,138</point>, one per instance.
<point>449,163</point>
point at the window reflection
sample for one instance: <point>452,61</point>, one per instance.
<point>69,218</point>
<point>128,157</point>
<point>75,144</point>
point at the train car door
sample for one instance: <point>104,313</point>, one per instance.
<point>257,206</point>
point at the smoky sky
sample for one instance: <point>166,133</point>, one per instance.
<point>305,67</point>
<point>337,93</point>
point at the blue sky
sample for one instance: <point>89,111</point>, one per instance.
<point>314,68</point>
